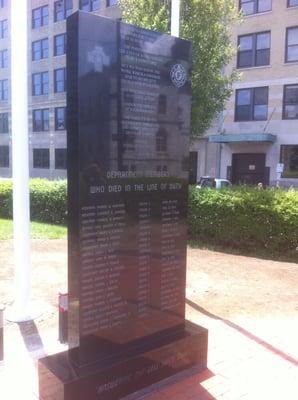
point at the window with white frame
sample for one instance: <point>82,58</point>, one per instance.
<point>40,119</point>
<point>4,156</point>
<point>254,50</point>
<point>4,123</point>
<point>292,44</point>
<point>40,49</point>
<point>62,9</point>
<point>290,102</point>
<point>250,7</point>
<point>4,89</point>
<point>3,29</point>
<point>40,83</point>
<point>60,80</point>
<point>289,157</point>
<point>251,104</point>
<point>41,158</point>
<point>292,3</point>
<point>60,122</point>
<point>89,5</point>
<point>60,44</point>
<point>60,159</point>
<point>111,3</point>
<point>4,58</point>
<point>40,17</point>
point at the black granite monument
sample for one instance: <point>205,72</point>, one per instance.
<point>128,107</point>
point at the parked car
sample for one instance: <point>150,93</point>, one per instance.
<point>217,183</point>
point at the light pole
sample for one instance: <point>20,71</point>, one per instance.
<point>21,309</point>
<point>175,18</point>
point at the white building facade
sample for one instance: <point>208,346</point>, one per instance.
<point>258,130</point>
<point>46,82</point>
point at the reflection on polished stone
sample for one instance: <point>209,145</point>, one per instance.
<point>60,380</point>
<point>128,105</point>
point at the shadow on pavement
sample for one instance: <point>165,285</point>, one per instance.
<point>31,338</point>
<point>244,332</point>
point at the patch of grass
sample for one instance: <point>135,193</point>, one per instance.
<point>287,256</point>
<point>38,230</point>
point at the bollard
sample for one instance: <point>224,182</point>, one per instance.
<point>63,317</point>
<point>1,334</point>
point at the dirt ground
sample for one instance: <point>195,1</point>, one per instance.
<point>224,285</point>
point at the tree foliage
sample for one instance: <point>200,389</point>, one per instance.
<point>207,24</point>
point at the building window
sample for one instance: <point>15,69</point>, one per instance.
<point>60,123</point>
<point>292,44</point>
<point>289,157</point>
<point>111,3</point>
<point>251,104</point>
<point>41,120</point>
<point>292,3</point>
<point>41,158</point>
<point>40,49</point>
<point>3,3</point>
<point>62,9</point>
<point>60,159</point>
<point>4,58</point>
<point>89,5</point>
<point>40,83</point>
<point>290,103</point>
<point>60,80</point>
<point>253,50</point>
<point>40,17</point>
<point>161,140</point>
<point>250,7</point>
<point>3,29</point>
<point>4,89</point>
<point>4,157</point>
<point>60,44</point>
<point>4,123</point>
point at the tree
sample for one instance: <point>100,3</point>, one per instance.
<point>206,23</point>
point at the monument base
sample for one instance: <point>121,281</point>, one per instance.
<point>59,380</point>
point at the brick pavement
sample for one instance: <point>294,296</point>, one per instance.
<point>249,359</point>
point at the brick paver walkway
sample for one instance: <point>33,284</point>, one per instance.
<point>249,359</point>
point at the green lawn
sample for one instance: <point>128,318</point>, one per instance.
<point>38,230</point>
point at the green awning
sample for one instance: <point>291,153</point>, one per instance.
<point>243,137</point>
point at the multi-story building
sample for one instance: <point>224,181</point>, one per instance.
<point>46,80</point>
<point>258,130</point>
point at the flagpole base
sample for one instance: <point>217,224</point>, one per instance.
<point>32,312</point>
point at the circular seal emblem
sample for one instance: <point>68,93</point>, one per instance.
<point>178,75</point>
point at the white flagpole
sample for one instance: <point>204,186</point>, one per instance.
<point>175,18</point>
<point>21,309</point>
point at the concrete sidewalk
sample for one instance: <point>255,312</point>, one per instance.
<point>254,359</point>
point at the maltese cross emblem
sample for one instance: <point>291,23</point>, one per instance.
<point>98,58</point>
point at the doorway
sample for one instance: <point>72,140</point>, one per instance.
<point>249,169</point>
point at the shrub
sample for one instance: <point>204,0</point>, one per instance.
<point>5,198</point>
<point>244,217</point>
<point>241,217</point>
<point>48,200</point>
